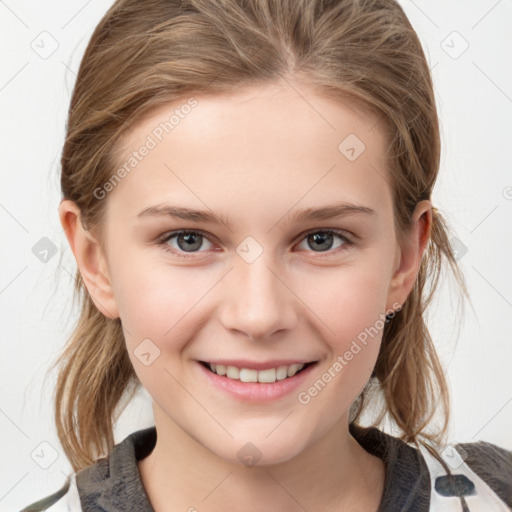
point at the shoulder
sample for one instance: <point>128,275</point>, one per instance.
<point>479,475</point>
<point>492,464</point>
<point>66,499</point>
<point>107,483</point>
<point>407,480</point>
<point>475,475</point>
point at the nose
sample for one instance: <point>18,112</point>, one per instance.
<point>257,300</point>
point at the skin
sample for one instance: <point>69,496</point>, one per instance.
<point>255,157</point>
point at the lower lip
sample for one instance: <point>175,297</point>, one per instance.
<point>257,391</point>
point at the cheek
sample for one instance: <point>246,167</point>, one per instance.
<point>162,308</point>
<point>347,300</point>
<point>351,305</point>
<point>153,297</point>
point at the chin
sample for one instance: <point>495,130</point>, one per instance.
<point>260,452</point>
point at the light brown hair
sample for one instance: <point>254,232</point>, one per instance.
<point>144,54</point>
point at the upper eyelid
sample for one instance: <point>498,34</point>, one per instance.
<point>168,234</point>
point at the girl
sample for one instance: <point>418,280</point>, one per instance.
<point>247,192</point>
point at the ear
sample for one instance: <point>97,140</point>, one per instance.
<point>409,256</point>
<point>89,258</point>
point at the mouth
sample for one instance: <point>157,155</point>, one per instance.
<point>264,376</point>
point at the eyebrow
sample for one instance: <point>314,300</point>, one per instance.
<point>309,214</point>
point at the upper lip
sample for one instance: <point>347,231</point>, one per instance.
<point>254,365</point>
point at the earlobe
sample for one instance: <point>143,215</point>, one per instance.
<point>89,258</point>
<point>411,253</point>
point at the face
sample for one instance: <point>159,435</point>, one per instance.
<point>292,261</point>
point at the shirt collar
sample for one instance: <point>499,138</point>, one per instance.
<point>114,482</point>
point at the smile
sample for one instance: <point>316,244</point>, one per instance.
<point>251,375</point>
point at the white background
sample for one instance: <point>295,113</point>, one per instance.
<point>474,191</point>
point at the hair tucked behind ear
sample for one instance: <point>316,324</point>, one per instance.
<point>143,55</point>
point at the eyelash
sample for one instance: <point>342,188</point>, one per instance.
<point>173,234</point>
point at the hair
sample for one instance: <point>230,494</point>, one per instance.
<point>145,54</point>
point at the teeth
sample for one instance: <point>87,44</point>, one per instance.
<point>248,375</point>
<point>269,375</point>
<point>282,372</point>
<point>294,368</point>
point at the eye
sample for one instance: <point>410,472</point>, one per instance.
<point>184,241</point>
<point>181,242</point>
<point>324,240</point>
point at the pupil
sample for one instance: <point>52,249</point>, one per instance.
<point>324,239</point>
<point>189,241</point>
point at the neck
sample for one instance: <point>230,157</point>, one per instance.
<point>332,473</point>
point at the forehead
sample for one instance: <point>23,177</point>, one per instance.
<point>272,143</point>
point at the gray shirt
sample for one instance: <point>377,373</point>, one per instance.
<point>113,483</point>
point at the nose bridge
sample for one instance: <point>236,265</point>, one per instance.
<point>258,303</point>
